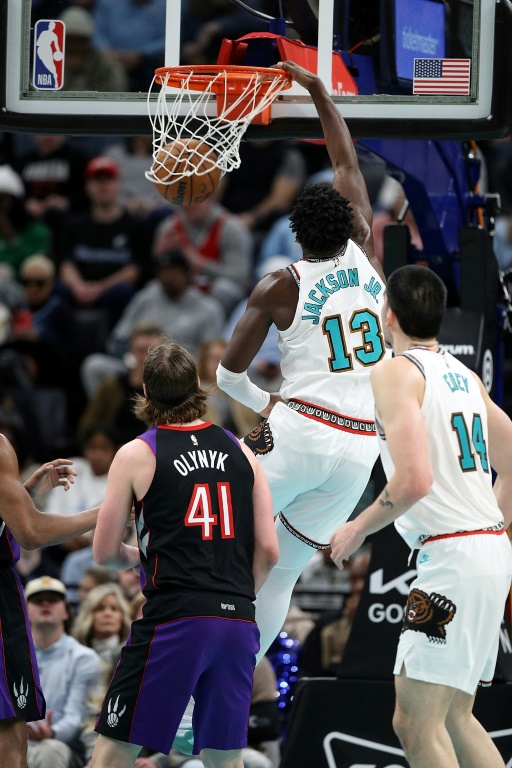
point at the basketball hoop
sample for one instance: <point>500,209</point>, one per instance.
<point>242,95</point>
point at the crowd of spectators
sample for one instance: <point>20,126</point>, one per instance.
<point>94,267</point>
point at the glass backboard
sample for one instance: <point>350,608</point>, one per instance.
<point>395,68</point>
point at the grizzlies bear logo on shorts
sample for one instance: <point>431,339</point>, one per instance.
<point>260,440</point>
<point>428,614</point>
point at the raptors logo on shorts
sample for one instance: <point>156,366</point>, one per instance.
<point>428,614</point>
<point>260,440</point>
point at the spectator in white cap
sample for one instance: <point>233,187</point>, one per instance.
<point>86,68</point>
<point>20,234</point>
<point>10,182</point>
<point>68,673</point>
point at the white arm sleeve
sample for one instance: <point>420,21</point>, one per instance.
<point>241,388</point>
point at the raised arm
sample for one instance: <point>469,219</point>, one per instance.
<point>348,179</point>
<point>30,527</point>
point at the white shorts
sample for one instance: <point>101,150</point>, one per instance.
<point>316,473</point>
<point>454,611</point>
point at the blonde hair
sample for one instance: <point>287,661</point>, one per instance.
<point>83,626</point>
<point>41,261</point>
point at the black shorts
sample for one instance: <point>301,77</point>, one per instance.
<point>20,691</point>
<point>172,655</point>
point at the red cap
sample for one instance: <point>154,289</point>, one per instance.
<point>102,165</point>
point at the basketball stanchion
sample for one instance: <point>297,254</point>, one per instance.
<point>192,151</point>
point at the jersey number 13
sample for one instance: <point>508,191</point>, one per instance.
<point>363,322</point>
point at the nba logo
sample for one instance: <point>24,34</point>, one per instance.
<point>49,55</point>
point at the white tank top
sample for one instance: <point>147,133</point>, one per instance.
<point>461,497</point>
<point>335,337</point>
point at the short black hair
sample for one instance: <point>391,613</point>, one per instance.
<point>417,296</point>
<point>322,220</point>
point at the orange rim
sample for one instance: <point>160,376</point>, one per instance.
<point>199,76</point>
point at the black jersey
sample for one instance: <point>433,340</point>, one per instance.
<point>195,524</point>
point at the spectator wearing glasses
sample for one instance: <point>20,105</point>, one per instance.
<point>44,332</point>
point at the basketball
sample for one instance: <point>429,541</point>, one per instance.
<point>58,56</point>
<point>187,166</point>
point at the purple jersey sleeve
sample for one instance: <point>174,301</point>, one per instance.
<point>231,435</point>
<point>149,437</point>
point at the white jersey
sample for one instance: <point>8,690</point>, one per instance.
<point>336,334</point>
<point>461,497</point>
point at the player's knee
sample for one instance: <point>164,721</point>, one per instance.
<point>111,753</point>
<point>402,726</point>
<point>412,738</point>
<point>459,722</point>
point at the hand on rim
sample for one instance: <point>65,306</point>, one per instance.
<point>303,76</point>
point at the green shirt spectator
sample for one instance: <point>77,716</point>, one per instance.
<point>20,234</point>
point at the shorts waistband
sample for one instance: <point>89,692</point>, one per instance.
<point>333,419</point>
<point>495,530</point>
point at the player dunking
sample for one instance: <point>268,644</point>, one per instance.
<point>206,543</point>
<point>319,444</point>
<point>21,698</point>
<point>440,434</point>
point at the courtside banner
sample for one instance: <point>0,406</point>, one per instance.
<point>48,72</point>
<point>348,723</point>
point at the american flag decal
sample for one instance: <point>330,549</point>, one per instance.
<point>441,76</point>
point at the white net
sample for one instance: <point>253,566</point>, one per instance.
<point>215,116</point>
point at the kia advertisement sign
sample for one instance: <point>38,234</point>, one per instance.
<point>346,722</point>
